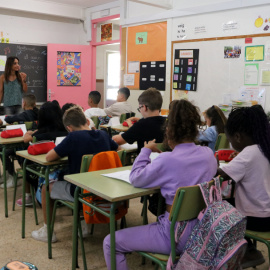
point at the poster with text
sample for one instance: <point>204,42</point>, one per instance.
<point>185,71</point>
<point>68,68</point>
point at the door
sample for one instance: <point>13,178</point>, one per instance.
<point>69,73</point>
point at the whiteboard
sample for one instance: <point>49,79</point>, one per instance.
<point>218,75</point>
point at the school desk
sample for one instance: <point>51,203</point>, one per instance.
<point>110,189</point>
<point>10,143</point>
<point>41,161</point>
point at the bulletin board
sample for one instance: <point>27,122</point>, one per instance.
<point>146,43</point>
<point>221,71</point>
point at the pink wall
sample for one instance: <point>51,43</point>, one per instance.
<point>71,94</point>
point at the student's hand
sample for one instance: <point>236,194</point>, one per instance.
<point>233,155</point>
<point>23,76</point>
<point>93,128</point>
<point>129,122</point>
<point>152,146</point>
<point>1,122</point>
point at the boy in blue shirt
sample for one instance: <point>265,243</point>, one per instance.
<point>80,141</point>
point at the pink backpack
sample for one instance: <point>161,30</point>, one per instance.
<point>217,240</point>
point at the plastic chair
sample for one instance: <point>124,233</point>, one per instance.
<point>125,116</point>
<point>86,160</point>
<point>188,203</point>
<point>161,147</point>
<point>222,142</point>
<point>95,120</point>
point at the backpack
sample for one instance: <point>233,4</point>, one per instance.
<point>18,265</point>
<point>217,240</point>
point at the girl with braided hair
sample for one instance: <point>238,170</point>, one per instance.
<point>248,130</point>
<point>215,120</point>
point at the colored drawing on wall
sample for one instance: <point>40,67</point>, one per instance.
<point>106,32</point>
<point>68,68</point>
<point>263,22</point>
<point>141,38</point>
<point>185,72</point>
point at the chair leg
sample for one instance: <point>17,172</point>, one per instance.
<point>34,203</point>
<point>53,215</point>
<point>92,229</point>
<point>82,245</point>
<point>15,177</point>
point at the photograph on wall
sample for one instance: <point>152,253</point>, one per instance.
<point>152,74</point>
<point>68,68</point>
<point>232,52</point>
<point>185,71</point>
<point>106,32</point>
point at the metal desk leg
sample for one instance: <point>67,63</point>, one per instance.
<point>49,232</point>
<point>112,234</point>
<point>75,228</point>
<point>23,198</point>
<point>5,179</point>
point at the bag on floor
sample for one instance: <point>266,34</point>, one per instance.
<point>17,265</point>
<point>217,240</point>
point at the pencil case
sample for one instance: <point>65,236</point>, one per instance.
<point>40,148</point>
<point>125,124</point>
<point>17,265</point>
<point>12,133</point>
<point>225,155</point>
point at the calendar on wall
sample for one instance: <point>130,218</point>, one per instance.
<point>185,71</point>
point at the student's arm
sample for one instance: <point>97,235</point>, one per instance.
<point>52,156</point>
<point>24,84</point>
<point>110,110</point>
<point>21,117</point>
<point>208,135</point>
<point>119,139</point>
<point>1,87</point>
<point>28,136</point>
<point>224,175</point>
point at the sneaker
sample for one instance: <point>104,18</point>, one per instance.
<point>252,258</point>
<point>10,183</point>
<point>85,229</point>
<point>41,235</point>
<point>28,201</point>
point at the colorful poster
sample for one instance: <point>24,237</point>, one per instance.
<point>106,32</point>
<point>141,38</point>
<point>68,68</point>
<point>185,72</point>
<point>255,53</point>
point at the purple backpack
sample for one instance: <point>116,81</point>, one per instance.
<point>217,240</point>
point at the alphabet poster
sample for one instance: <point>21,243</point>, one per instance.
<point>185,71</point>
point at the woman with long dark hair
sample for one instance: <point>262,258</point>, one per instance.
<point>12,86</point>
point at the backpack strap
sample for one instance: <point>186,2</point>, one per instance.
<point>212,194</point>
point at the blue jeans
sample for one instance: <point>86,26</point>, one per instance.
<point>15,109</point>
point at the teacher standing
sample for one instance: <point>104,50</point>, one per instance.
<point>12,86</point>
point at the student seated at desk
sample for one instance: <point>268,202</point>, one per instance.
<point>29,114</point>
<point>215,120</point>
<point>93,101</point>
<point>149,127</point>
<point>50,126</point>
<point>188,164</point>
<point>80,141</point>
<point>248,131</point>
<point>121,106</point>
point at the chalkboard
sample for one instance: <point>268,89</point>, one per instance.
<point>33,62</point>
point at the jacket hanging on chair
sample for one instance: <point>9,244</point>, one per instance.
<point>103,161</point>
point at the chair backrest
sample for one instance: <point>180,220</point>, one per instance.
<point>95,120</point>
<point>161,147</point>
<point>125,116</point>
<point>222,142</point>
<point>187,204</point>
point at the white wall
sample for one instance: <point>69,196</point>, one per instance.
<point>30,28</point>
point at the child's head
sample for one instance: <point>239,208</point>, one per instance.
<point>150,99</point>
<point>74,119</point>
<point>94,98</point>
<point>28,101</point>
<point>67,106</point>
<point>215,117</point>
<point>247,126</point>
<point>123,94</point>
<point>50,117</point>
<point>183,122</point>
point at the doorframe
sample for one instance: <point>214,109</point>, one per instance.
<point>94,45</point>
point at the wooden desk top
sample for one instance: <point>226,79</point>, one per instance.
<point>110,189</point>
<point>117,128</point>
<point>11,140</point>
<point>40,159</point>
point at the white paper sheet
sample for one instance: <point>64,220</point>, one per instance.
<point>129,79</point>
<point>133,67</point>
<point>128,146</point>
<point>22,126</point>
<point>2,117</point>
<point>114,121</point>
<point>123,175</point>
<point>154,155</point>
<point>59,140</point>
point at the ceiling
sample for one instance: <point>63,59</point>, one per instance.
<point>82,3</point>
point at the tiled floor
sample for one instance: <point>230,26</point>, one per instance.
<point>13,247</point>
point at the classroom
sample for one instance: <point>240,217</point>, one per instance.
<point>207,59</point>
